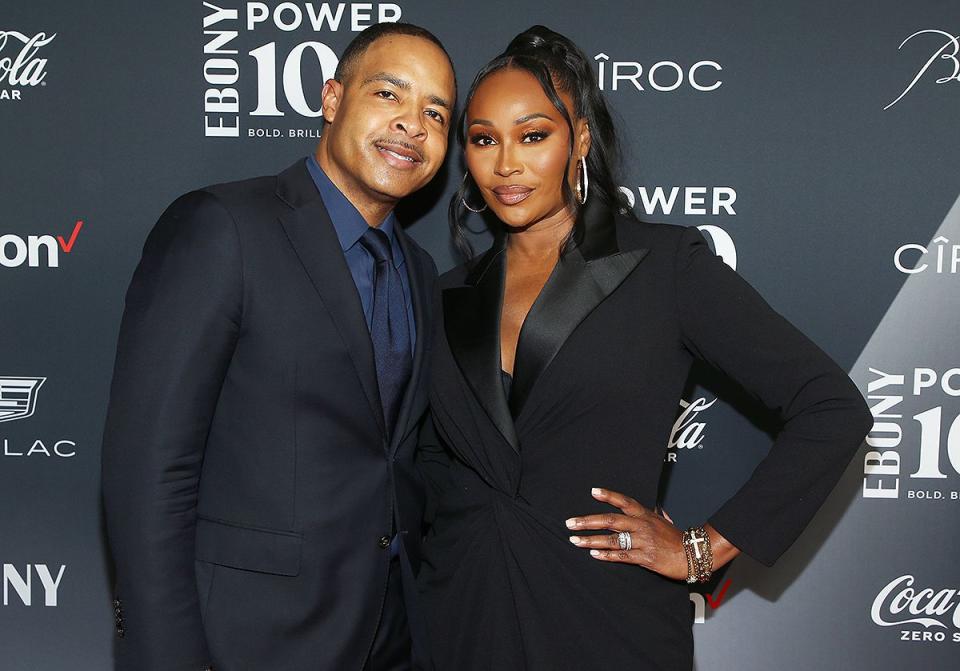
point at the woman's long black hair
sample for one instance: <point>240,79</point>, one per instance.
<point>558,65</point>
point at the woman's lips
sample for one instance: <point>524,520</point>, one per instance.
<point>513,194</point>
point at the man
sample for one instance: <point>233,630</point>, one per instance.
<point>260,500</point>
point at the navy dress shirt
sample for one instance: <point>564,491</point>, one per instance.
<point>350,227</point>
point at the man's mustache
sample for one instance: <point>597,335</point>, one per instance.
<point>386,142</point>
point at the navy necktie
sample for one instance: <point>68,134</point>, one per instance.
<point>389,330</point>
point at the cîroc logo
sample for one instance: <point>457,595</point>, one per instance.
<point>661,76</point>
<point>899,604</point>
<point>949,46</point>
<point>942,259</point>
<point>18,396</point>
<point>20,67</point>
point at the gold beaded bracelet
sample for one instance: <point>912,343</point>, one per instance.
<point>691,564</point>
<point>699,562</point>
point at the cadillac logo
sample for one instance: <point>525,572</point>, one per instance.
<point>18,396</point>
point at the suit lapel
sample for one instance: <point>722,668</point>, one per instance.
<point>471,318</point>
<point>315,242</point>
<point>420,297</point>
<point>581,280</point>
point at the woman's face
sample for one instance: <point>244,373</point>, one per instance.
<point>517,147</point>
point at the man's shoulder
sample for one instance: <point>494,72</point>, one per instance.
<point>250,199</point>
<point>265,189</point>
<point>224,208</point>
<point>243,192</point>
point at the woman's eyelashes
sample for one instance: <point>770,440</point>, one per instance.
<point>527,137</point>
<point>481,139</point>
<point>535,136</point>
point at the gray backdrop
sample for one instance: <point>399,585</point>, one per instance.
<point>815,142</point>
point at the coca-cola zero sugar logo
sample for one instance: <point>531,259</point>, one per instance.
<point>688,428</point>
<point>927,615</point>
<point>20,66</point>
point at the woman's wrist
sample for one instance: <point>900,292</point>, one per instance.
<point>722,551</point>
<point>699,554</point>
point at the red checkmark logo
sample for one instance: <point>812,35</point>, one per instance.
<point>715,601</point>
<point>67,246</point>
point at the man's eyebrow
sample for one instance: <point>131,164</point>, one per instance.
<point>524,119</point>
<point>440,102</point>
<point>404,85</point>
<point>389,78</point>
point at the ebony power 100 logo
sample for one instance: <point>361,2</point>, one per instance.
<point>914,445</point>
<point>248,95</point>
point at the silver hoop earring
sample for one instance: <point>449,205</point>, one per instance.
<point>582,191</point>
<point>464,200</point>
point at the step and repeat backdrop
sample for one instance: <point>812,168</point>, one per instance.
<point>815,143</point>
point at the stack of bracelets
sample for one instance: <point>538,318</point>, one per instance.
<point>699,561</point>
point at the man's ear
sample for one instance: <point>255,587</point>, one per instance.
<point>330,99</point>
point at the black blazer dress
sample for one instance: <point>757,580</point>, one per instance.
<point>601,362</point>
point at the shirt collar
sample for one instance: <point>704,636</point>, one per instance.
<point>348,223</point>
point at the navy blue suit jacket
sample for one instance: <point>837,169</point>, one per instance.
<point>248,486</point>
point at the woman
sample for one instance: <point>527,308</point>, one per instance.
<point>562,353</point>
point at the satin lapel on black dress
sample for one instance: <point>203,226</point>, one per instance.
<point>471,319</point>
<point>315,241</point>
<point>581,280</point>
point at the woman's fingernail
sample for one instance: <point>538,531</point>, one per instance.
<point>596,491</point>
<point>594,553</point>
<point>571,523</point>
<point>575,540</point>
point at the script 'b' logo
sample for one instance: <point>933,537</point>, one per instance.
<point>18,396</point>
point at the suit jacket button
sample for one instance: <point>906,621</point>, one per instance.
<point>384,542</point>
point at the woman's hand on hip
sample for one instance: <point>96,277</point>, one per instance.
<point>652,542</point>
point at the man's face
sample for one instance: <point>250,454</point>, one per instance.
<point>388,121</point>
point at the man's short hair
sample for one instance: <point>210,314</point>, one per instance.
<point>359,44</point>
